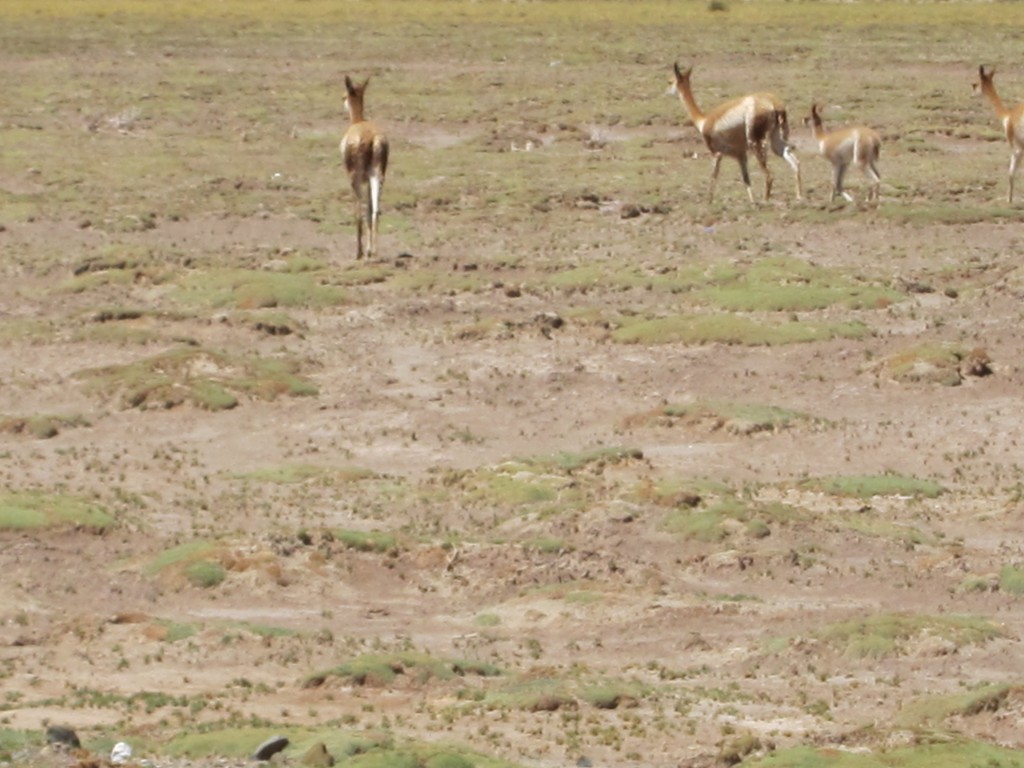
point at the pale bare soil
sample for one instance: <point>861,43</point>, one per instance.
<point>428,389</point>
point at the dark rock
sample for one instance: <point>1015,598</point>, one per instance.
<point>61,734</point>
<point>270,747</point>
<point>976,363</point>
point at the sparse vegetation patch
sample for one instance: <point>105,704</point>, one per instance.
<point>936,363</point>
<point>33,509</point>
<point>203,378</point>
<point>259,289</point>
<point>737,418</point>
<point>41,427</point>
<point>368,541</point>
<point>732,329</point>
<point>785,284</point>
<point>866,486</point>
<point>377,670</point>
<point>889,634</point>
<point>955,753</point>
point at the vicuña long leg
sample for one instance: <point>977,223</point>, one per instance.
<point>714,177</point>
<point>876,180</point>
<point>376,181</point>
<point>838,173</point>
<point>1014,162</point>
<point>783,149</point>
<point>357,188</point>
<point>762,159</point>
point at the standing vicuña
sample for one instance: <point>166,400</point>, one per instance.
<point>858,145</point>
<point>364,150</point>
<point>740,126</point>
<point>1011,119</point>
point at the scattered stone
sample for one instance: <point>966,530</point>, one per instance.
<point>318,756</point>
<point>976,363</point>
<point>129,617</point>
<point>729,560</point>
<point>121,753</point>
<point>552,703</point>
<point>548,322</point>
<point>314,681</point>
<point>273,329</point>
<point>61,734</point>
<point>630,211</point>
<point>745,427</point>
<point>270,747</point>
<point>933,646</point>
<point>696,642</point>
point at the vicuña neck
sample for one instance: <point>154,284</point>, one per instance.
<point>990,92</point>
<point>691,104</point>
<point>817,128</point>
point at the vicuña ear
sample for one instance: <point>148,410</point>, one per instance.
<point>349,85</point>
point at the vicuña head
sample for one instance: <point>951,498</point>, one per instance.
<point>1011,119</point>
<point>750,123</point>
<point>364,151</point>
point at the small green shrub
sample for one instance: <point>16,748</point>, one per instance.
<point>205,573</point>
<point>368,541</point>
<point>546,546</point>
<point>182,554</point>
<point>1011,579</point>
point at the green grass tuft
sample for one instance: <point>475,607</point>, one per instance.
<point>205,573</point>
<point>368,541</point>
<point>180,555</point>
<point>1011,580</point>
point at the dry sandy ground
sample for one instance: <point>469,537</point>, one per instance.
<point>403,395</point>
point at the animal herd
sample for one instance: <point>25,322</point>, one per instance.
<point>750,124</point>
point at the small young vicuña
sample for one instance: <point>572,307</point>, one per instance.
<point>1012,120</point>
<point>739,126</point>
<point>364,150</point>
<point>858,145</point>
